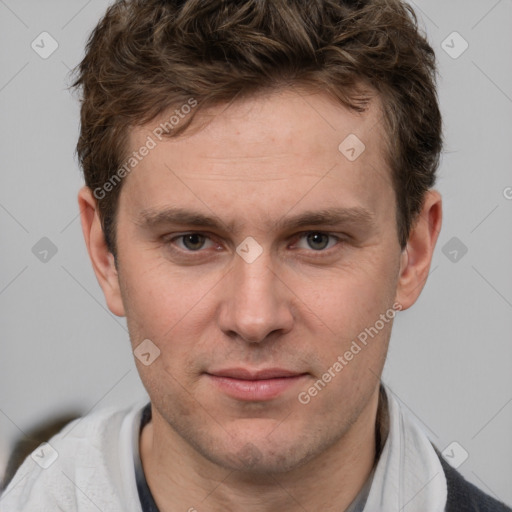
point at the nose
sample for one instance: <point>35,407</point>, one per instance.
<point>255,302</point>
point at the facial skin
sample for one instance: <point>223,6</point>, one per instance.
<point>258,166</point>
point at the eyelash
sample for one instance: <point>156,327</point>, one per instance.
<point>170,242</point>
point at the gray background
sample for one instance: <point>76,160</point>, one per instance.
<point>451,354</point>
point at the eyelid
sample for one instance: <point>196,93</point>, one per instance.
<point>304,234</point>
<point>171,239</point>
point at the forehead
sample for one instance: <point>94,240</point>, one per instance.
<point>293,118</point>
<point>287,143</point>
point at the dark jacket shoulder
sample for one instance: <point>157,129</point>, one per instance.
<point>463,496</point>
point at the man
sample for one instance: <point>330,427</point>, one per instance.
<point>259,205</point>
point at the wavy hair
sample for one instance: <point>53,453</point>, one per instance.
<point>146,57</point>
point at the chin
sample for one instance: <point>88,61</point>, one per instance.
<point>258,455</point>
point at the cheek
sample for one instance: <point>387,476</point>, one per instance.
<point>350,298</point>
<point>345,321</point>
<point>161,300</point>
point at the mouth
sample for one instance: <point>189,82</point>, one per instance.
<point>255,385</point>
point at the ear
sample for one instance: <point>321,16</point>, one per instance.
<point>416,258</point>
<point>101,258</point>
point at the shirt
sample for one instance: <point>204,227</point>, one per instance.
<point>91,464</point>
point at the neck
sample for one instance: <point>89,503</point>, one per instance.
<point>180,479</point>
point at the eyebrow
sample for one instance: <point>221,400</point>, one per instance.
<point>355,216</point>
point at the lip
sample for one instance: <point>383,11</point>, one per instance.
<point>255,385</point>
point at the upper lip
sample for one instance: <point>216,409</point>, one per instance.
<point>247,374</point>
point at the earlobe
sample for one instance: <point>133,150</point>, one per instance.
<point>102,259</point>
<point>417,255</point>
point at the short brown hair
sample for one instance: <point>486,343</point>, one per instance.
<point>148,56</point>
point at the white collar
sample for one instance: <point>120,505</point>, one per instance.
<point>408,476</point>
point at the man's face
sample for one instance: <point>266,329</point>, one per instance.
<point>252,253</point>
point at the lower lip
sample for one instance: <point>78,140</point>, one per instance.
<point>255,390</point>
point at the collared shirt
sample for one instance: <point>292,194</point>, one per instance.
<point>91,464</point>
<point>407,476</point>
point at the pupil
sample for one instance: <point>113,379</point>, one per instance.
<point>193,241</point>
<point>318,241</point>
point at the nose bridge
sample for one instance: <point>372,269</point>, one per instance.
<point>255,303</point>
<point>256,283</point>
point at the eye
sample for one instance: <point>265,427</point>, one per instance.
<point>317,241</point>
<point>193,242</point>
